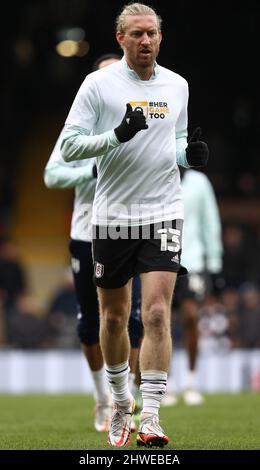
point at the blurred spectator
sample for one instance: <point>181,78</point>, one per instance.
<point>26,327</point>
<point>12,273</point>
<point>63,313</point>
<point>213,327</point>
<point>2,323</point>
<point>236,259</point>
<point>250,316</point>
<point>231,306</point>
<point>254,271</point>
<point>246,185</point>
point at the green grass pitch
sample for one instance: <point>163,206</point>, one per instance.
<point>225,421</point>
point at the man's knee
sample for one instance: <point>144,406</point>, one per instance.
<point>114,321</point>
<point>156,318</point>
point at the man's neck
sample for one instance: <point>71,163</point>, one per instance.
<point>144,73</point>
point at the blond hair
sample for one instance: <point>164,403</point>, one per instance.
<point>132,9</point>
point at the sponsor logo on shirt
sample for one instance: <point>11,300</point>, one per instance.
<point>151,109</point>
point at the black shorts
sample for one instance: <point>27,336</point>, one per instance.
<point>120,255</point>
<point>194,286</point>
<point>88,310</point>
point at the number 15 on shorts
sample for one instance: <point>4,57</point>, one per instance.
<point>170,239</point>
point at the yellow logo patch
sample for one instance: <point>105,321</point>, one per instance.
<point>151,109</point>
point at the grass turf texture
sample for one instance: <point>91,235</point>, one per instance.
<point>66,422</point>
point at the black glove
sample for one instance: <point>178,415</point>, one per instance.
<point>197,152</point>
<point>133,122</point>
<point>94,171</point>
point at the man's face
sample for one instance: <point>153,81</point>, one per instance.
<point>140,40</point>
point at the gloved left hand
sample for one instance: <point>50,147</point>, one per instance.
<point>197,152</point>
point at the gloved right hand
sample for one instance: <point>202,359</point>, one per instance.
<point>133,122</point>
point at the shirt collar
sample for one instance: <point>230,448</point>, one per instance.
<point>135,76</point>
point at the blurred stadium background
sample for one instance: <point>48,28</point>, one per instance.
<point>49,47</point>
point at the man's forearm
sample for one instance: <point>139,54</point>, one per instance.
<point>78,144</point>
<point>58,176</point>
<point>181,145</point>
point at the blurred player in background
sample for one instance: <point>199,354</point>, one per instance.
<point>82,175</point>
<point>202,255</point>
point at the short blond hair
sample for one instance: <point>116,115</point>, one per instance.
<point>132,9</point>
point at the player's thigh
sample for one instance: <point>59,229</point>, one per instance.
<point>157,290</point>
<point>115,302</point>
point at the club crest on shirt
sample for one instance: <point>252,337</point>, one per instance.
<point>99,269</point>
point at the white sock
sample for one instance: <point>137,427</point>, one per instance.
<point>118,379</point>
<point>132,385</point>
<point>101,387</point>
<point>153,388</point>
<point>191,379</point>
<point>171,387</point>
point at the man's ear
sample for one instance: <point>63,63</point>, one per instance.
<point>120,38</point>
